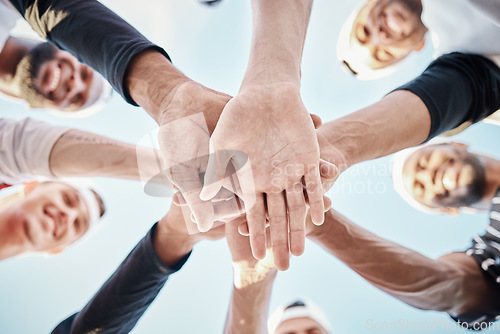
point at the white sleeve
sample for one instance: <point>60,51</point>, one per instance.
<point>25,148</point>
<point>8,18</point>
<point>489,8</point>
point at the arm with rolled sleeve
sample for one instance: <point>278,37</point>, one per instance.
<point>25,148</point>
<point>457,88</point>
<point>31,149</point>
<point>90,31</point>
<point>125,296</point>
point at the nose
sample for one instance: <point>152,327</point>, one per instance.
<point>68,216</point>
<point>426,177</point>
<point>75,84</point>
<point>379,37</point>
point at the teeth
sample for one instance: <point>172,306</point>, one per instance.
<point>393,25</point>
<point>55,79</point>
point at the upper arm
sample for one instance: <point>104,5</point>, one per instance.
<point>457,88</point>
<point>478,293</point>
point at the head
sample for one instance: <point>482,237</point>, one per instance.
<point>299,317</point>
<point>48,77</point>
<point>442,177</point>
<point>380,34</point>
<point>48,216</point>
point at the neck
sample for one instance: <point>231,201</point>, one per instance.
<point>12,242</point>
<point>492,174</point>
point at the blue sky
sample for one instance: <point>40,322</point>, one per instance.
<point>211,46</point>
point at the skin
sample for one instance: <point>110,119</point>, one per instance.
<point>63,82</point>
<point>440,174</point>
<point>67,84</point>
<point>300,326</point>
<point>389,30</point>
<point>80,153</point>
<point>253,282</point>
<point>51,216</point>
<point>268,122</point>
<point>452,283</point>
<point>171,99</point>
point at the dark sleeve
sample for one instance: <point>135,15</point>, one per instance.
<point>486,251</point>
<point>457,88</point>
<point>91,32</point>
<point>125,296</point>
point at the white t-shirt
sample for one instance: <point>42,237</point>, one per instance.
<point>8,18</point>
<point>462,26</point>
<point>25,148</point>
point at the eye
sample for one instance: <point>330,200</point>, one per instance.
<point>423,163</point>
<point>363,34</point>
<point>383,55</point>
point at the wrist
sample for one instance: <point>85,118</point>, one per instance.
<point>246,275</point>
<point>265,71</point>
<point>317,233</point>
<point>171,246</point>
<point>152,80</point>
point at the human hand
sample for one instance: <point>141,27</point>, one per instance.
<point>279,156</point>
<point>176,235</point>
<point>189,117</point>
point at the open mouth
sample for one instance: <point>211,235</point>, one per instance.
<point>393,26</point>
<point>54,82</point>
<point>55,222</point>
<point>393,23</point>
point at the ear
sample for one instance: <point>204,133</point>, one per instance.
<point>450,211</point>
<point>55,251</point>
<point>459,145</point>
<point>28,187</point>
<point>421,45</point>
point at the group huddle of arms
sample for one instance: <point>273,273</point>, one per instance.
<point>226,170</point>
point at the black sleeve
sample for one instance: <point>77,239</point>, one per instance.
<point>485,250</point>
<point>457,88</point>
<point>125,296</point>
<point>90,31</point>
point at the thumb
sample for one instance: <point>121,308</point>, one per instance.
<point>316,120</point>
<point>215,173</point>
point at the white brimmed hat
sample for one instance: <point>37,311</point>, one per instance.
<point>353,56</point>
<point>303,309</point>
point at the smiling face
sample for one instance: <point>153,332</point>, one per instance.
<point>444,175</point>
<point>51,216</point>
<point>304,325</point>
<point>55,79</point>
<point>388,30</point>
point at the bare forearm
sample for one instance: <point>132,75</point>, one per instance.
<point>249,306</point>
<point>152,81</point>
<point>405,274</point>
<point>398,121</point>
<point>279,31</point>
<point>80,153</point>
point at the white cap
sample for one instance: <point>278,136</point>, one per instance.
<point>309,310</point>
<point>355,54</point>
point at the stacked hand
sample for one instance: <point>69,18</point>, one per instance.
<point>267,135</point>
